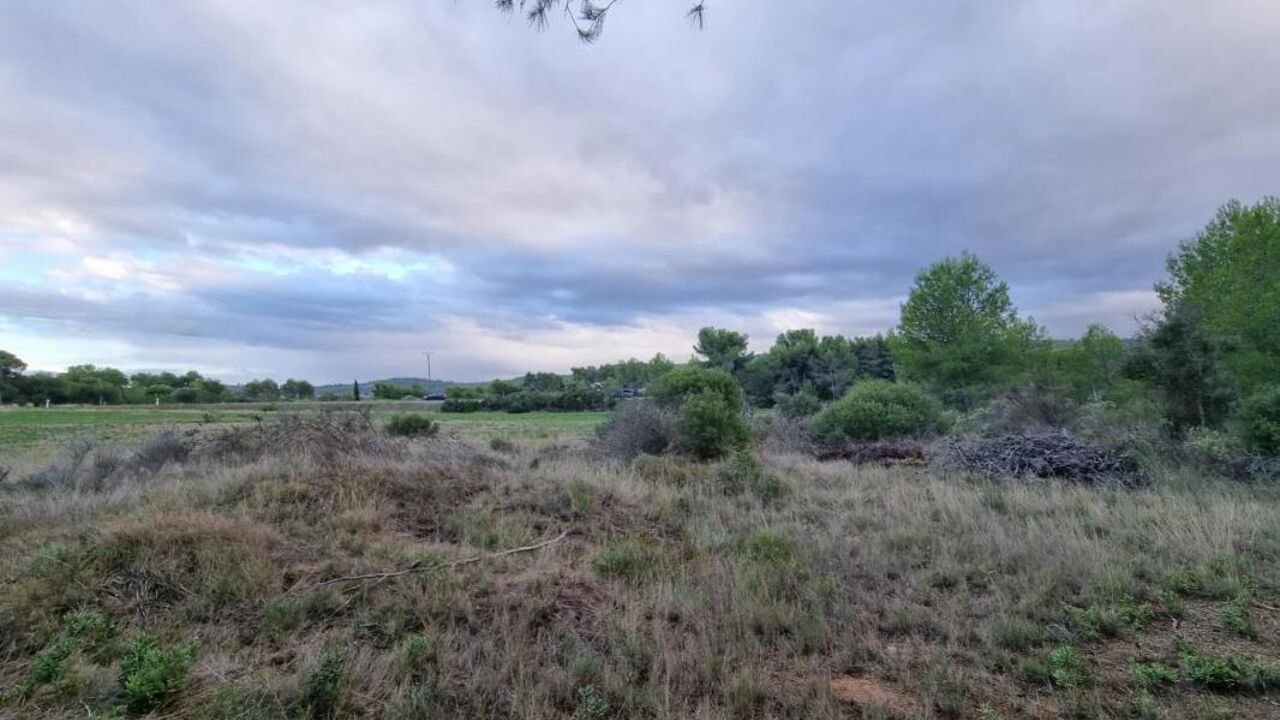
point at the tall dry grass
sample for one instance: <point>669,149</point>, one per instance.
<point>776,586</point>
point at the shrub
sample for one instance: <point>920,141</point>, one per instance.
<point>1151,675</point>
<point>629,560</point>
<point>745,474</point>
<point>800,405</point>
<point>879,409</point>
<point>709,427</point>
<point>770,548</point>
<point>459,405</point>
<point>637,427</point>
<point>322,690</point>
<point>412,425</point>
<point>1230,672</point>
<point>1259,421</point>
<point>685,382</point>
<point>151,675</point>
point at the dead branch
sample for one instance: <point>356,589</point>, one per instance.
<point>417,568</point>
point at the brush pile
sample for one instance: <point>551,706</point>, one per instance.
<point>1049,454</point>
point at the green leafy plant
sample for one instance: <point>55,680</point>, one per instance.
<point>709,427</point>
<point>1259,421</point>
<point>1230,672</point>
<point>412,425</point>
<point>152,675</point>
<point>879,409</point>
<point>1151,675</point>
<point>322,689</point>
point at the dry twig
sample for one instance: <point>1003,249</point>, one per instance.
<point>416,568</point>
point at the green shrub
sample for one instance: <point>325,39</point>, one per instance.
<point>322,690</point>
<point>745,475</point>
<point>1019,634</point>
<point>1259,421</point>
<point>1236,618</point>
<point>629,560</point>
<point>879,409</point>
<point>82,631</point>
<point>687,381</point>
<point>768,547</point>
<point>1063,667</point>
<point>1230,672</point>
<point>151,675</point>
<point>709,427</point>
<point>1152,675</point>
<point>412,425</point>
<point>800,405</point>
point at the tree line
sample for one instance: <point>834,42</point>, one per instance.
<point>93,385</point>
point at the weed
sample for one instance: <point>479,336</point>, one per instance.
<point>152,675</point>
<point>1236,618</point>
<point>1019,634</point>
<point>1145,707</point>
<point>1229,672</point>
<point>629,560</point>
<point>591,706</point>
<point>1152,675</point>
<point>769,548</point>
<point>322,689</point>
<point>1063,667</point>
<point>412,425</point>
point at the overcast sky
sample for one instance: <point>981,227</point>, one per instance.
<point>325,189</point>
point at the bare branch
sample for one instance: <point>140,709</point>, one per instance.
<point>416,568</point>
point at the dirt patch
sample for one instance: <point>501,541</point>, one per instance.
<point>867,692</point>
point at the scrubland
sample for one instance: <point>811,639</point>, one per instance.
<point>246,573</point>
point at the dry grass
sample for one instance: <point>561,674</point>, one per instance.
<point>795,588</point>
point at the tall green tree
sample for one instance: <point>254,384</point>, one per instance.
<point>1185,364</point>
<point>960,333</point>
<point>1228,276</point>
<point>11,368</point>
<point>724,349</point>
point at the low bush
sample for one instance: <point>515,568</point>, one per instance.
<point>412,425</point>
<point>1230,672</point>
<point>685,382</point>
<point>637,427</point>
<point>800,405</point>
<point>460,405</point>
<point>322,689</point>
<point>876,410</point>
<point>710,427</point>
<point>1259,421</point>
<point>152,675</point>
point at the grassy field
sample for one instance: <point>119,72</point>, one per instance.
<point>308,570</point>
<point>23,430</point>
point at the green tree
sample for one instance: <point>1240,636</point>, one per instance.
<point>1184,363</point>
<point>503,388</point>
<point>709,427</point>
<point>265,389</point>
<point>387,391</point>
<point>543,382</point>
<point>10,365</point>
<point>1229,275</point>
<point>11,368</point>
<point>677,386</point>
<point>297,390</point>
<point>355,390</point>
<point>724,349</point>
<point>960,333</point>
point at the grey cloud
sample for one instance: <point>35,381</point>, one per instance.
<point>787,157</point>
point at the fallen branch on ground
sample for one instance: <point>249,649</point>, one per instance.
<point>416,567</point>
